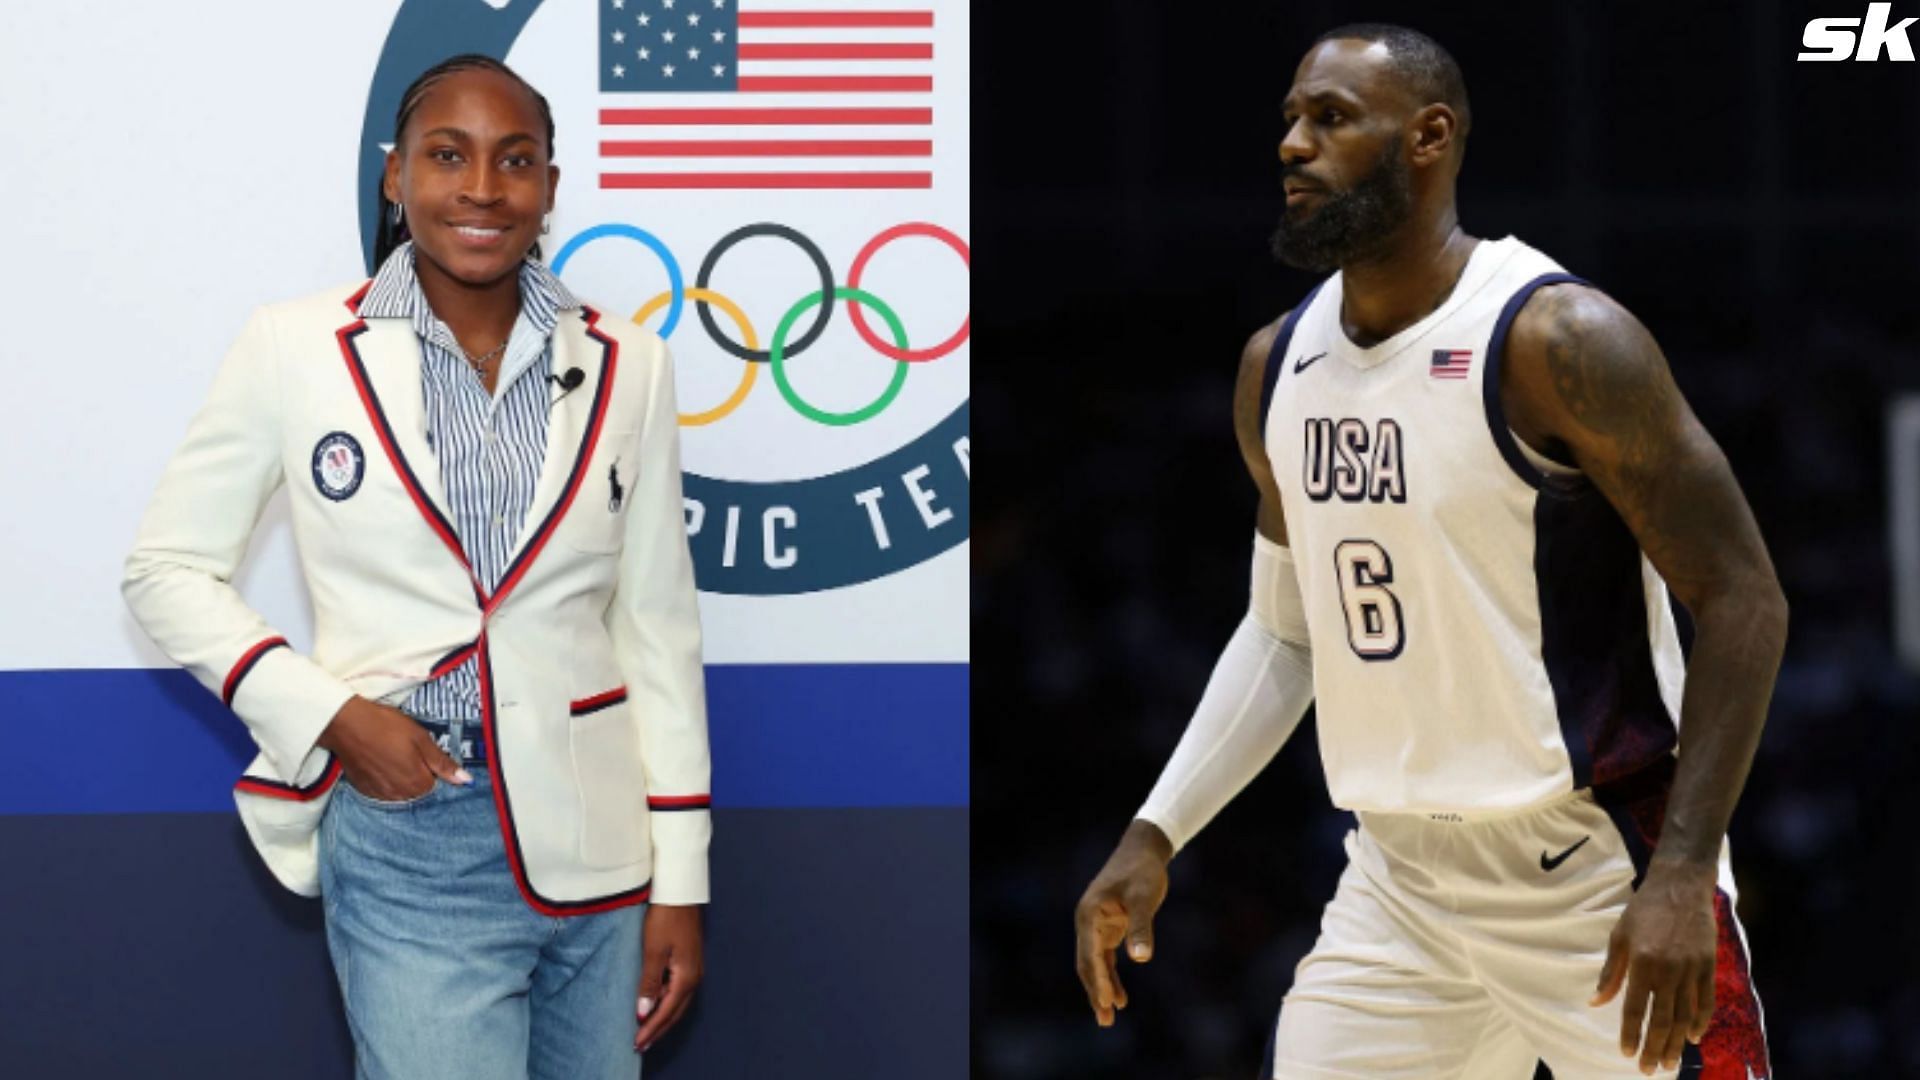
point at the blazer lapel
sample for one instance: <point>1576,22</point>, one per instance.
<point>383,357</point>
<point>573,430</point>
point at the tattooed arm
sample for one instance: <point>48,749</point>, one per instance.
<point>1585,382</point>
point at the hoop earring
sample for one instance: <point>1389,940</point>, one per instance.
<point>546,224</point>
<point>398,213</point>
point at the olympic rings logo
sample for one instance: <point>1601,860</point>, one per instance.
<point>779,351</point>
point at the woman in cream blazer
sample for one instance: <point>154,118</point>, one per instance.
<point>588,646</point>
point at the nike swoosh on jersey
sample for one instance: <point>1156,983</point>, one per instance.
<point>1302,365</point>
<point>1554,862</point>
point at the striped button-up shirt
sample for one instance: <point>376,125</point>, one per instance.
<point>490,446</point>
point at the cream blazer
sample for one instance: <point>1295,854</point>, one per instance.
<point>593,704</point>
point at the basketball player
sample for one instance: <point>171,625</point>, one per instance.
<point>1477,482</point>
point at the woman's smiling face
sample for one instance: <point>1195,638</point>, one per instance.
<point>473,173</point>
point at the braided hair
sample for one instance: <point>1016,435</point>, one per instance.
<point>390,235</point>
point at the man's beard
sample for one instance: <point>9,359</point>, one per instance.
<point>1348,226</point>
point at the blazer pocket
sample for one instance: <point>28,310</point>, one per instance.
<point>605,740</point>
<point>597,520</point>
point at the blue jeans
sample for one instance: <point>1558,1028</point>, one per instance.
<point>445,970</point>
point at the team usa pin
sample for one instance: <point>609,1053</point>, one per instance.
<point>338,465</point>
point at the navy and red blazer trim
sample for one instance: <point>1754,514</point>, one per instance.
<point>659,803</point>
<point>590,438</point>
<point>502,788</point>
<point>503,802</point>
<point>274,789</point>
<point>454,658</point>
<point>357,370</point>
<point>245,664</point>
<point>594,704</point>
<point>503,807</point>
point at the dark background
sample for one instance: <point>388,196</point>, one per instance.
<point>1761,216</point>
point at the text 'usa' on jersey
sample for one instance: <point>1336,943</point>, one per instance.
<point>1486,633</point>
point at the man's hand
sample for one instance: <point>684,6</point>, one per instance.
<point>385,754</point>
<point>1119,905</point>
<point>670,969</point>
<point>1663,952</point>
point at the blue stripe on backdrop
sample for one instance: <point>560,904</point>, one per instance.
<point>157,945</point>
<point>94,741</point>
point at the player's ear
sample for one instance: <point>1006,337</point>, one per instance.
<point>1433,132</point>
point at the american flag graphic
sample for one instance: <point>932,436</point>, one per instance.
<point>765,94</point>
<point>1451,363</point>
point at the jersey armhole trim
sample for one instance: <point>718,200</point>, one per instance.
<point>1277,356</point>
<point>1503,437</point>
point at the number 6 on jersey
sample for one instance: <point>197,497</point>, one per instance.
<point>1373,612</point>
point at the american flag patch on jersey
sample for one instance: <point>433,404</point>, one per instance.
<point>1451,363</point>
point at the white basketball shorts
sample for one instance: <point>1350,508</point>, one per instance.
<point>1461,948</point>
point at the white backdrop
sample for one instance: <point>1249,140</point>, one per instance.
<point>174,167</point>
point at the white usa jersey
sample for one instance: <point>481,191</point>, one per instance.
<point>1486,632</point>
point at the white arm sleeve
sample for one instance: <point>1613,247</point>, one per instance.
<point>1259,691</point>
